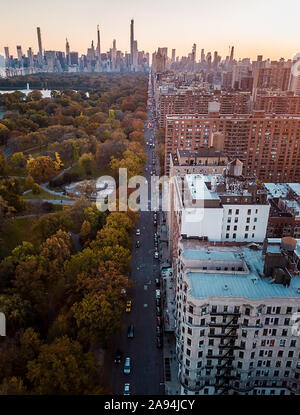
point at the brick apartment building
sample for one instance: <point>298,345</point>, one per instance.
<point>267,144</point>
<point>193,101</point>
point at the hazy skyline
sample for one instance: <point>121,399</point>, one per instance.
<point>254,28</point>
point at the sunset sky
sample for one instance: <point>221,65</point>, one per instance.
<point>267,27</point>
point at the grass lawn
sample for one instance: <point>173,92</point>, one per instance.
<point>43,196</point>
<point>14,232</point>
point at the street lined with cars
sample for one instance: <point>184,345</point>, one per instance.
<point>143,365</point>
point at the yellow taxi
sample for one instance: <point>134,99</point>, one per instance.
<point>128,306</point>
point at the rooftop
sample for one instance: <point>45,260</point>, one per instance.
<point>276,190</point>
<point>198,187</point>
<point>251,285</point>
<point>245,284</point>
<point>202,152</point>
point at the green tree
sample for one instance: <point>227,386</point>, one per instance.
<point>86,161</point>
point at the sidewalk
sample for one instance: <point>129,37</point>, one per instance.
<point>172,386</point>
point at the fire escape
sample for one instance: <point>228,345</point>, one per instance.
<point>227,345</point>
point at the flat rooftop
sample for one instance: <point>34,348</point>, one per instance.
<point>276,190</point>
<point>234,284</point>
<point>198,188</point>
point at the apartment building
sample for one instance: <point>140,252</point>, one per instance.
<point>206,160</point>
<point>271,75</point>
<point>196,101</point>
<point>284,218</point>
<point>267,144</point>
<point>219,208</point>
<point>236,308</point>
<point>279,103</point>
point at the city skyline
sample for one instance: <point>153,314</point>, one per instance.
<point>237,24</point>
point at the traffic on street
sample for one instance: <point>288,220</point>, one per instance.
<point>137,367</point>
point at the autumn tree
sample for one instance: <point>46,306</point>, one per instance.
<point>63,368</point>
<point>4,134</point>
<point>41,168</point>
<point>17,160</point>
<point>18,312</point>
<point>3,165</point>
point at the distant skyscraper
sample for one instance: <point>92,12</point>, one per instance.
<point>194,52</point>
<point>67,52</point>
<point>30,56</point>
<point>131,40</point>
<point>6,51</point>
<point>39,41</point>
<point>231,53</point>
<point>202,56</point>
<point>19,52</point>
<point>173,55</point>
<point>98,50</point>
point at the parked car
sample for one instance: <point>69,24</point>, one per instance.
<point>158,321</point>
<point>157,302</point>
<point>156,255</point>
<point>137,244</point>
<point>157,293</point>
<point>128,306</point>
<point>130,331</point>
<point>127,366</point>
<point>118,356</point>
<point>156,243</point>
<point>158,330</point>
<point>157,282</point>
<point>126,389</point>
<point>159,342</point>
<point>138,232</point>
<point>158,311</point>
<point>154,222</point>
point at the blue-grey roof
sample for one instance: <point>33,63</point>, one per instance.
<point>210,255</point>
<point>206,284</point>
<point>213,285</point>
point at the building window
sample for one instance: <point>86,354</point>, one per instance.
<point>237,211</point>
<point>234,236</point>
